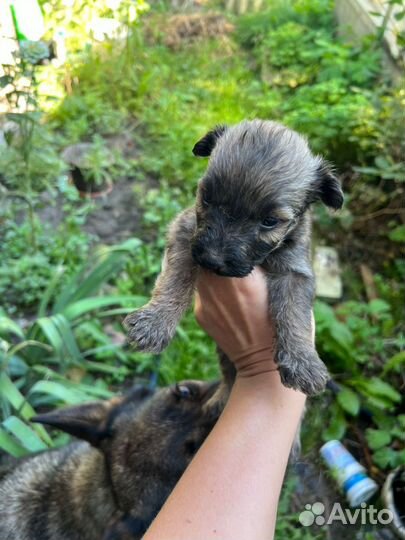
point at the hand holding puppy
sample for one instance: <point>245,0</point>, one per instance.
<point>234,312</point>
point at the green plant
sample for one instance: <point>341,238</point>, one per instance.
<point>41,165</point>
<point>82,115</point>
<point>384,168</point>
<point>45,364</point>
<point>27,269</point>
<point>97,163</point>
<point>356,342</point>
<point>29,163</point>
<point>19,80</point>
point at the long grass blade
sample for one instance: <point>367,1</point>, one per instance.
<point>10,445</point>
<point>46,298</point>
<point>108,266</point>
<point>86,305</point>
<point>59,391</point>
<point>12,394</point>
<point>7,327</point>
<point>27,437</point>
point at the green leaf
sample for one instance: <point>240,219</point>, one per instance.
<point>5,80</point>
<point>27,437</point>
<point>349,401</point>
<point>60,335</point>
<point>46,297</point>
<point>122,311</point>
<point>11,393</point>
<point>78,289</point>
<point>68,338</point>
<point>395,362</point>
<point>377,438</point>
<point>384,457</point>
<point>382,162</point>
<point>379,403</point>
<point>378,306</point>
<point>51,333</point>
<point>324,314</point>
<point>7,326</point>
<point>60,392</point>
<point>98,367</point>
<point>397,234</point>
<point>10,445</point>
<point>399,458</point>
<point>377,387</point>
<point>82,307</point>
<point>337,427</point>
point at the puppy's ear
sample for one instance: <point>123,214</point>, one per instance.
<point>205,146</point>
<point>88,421</point>
<point>328,186</point>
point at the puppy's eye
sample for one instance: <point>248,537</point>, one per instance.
<point>205,201</point>
<point>205,197</point>
<point>183,391</point>
<point>269,223</point>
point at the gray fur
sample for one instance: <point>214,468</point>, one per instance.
<point>257,169</point>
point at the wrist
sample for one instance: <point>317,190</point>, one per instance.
<point>267,388</point>
<point>256,362</point>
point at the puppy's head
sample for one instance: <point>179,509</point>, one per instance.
<point>260,180</point>
<point>148,438</point>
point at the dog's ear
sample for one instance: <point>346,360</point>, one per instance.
<point>88,421</point>
<point>328,186</point>
<point>205,146</point>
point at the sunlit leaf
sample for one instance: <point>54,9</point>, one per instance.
<point>26,436</point>
<point>349,401</point>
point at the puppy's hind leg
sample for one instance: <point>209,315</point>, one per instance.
<point>291,298</point>
<point>152,327</point>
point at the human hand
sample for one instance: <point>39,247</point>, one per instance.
<point>235,313</point>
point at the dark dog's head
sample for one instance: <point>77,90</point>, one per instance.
<point>260,180</point>
<point>148,438</point>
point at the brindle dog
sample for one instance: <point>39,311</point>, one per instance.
<point>253,208</point>
<point>111,484</point>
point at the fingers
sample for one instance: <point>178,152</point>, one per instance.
<point>210,285</point>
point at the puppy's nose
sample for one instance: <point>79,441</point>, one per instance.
<point>211,262</point>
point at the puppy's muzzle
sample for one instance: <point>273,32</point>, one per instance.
<point>209,260</point>
<point>218,262</point>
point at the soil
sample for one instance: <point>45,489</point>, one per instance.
<point>115,217</point>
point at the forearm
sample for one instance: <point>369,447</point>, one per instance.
<point>231,488</point>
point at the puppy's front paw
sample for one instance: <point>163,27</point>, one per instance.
<point>149,329</point>
<point>302,370</point>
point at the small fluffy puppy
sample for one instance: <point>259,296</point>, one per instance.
<point>252,209</point>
